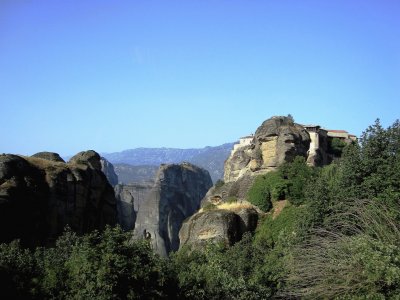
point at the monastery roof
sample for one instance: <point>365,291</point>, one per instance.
<point>337,131</point>
<point>310,125</point>
<point>247,136</point>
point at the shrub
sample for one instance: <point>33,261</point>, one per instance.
<point>298,175</point>
<point>336,146</point>
<point>259,194</point>
<point>209,206</point>
<point>355,255</point>
<point>220,183</point>
<point>231,199</point>
<point>267,188</point>
<point>106,265</point>
<point>218,272</point>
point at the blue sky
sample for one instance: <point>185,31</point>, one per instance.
<point>114,75</point>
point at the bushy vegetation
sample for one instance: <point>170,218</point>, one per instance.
<point>352,250</point>
<point>103,265</point>
<point>288,182</point>
<point>337,238</point>
<point>219,272</point>
<point>336,146</point>
<point>220,183</point>
<point>260,193</point>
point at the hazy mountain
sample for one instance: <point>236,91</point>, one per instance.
<point>135,174</point>
<point>209,158</point>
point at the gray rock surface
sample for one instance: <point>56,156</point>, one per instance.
<point>175,196</point>
<point>49,156</point>
<point>128,174</point>
<point>108,169</point>
<point>39,197</point>
<point>125,207</point>
<point>90,158</point>
<point>217,225</point>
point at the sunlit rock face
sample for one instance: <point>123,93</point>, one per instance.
<point>218,226</point>
<point>108,169</point>
<point>276,141</point>
<point>40,195</point>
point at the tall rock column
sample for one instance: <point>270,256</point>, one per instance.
<point>175,196</point>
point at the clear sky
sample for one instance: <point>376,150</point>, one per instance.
<point>113,75</point>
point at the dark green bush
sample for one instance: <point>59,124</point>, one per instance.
<point>259,194</point>
<point>218,272</point>
<point>107,265</point>
<point>220,183</point>
<point>267,188</point>
<point>336,146</point>
<point>298,175</point>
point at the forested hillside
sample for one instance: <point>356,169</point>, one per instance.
<point>330,233</point>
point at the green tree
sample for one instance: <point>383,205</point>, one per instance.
<point>18,272</point>
<point>336,146</point>
<point>218,272</point>
<point>298,175</point>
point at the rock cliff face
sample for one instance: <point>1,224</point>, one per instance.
<point>276,141</point>
<point>176,195</point>
<point>130,197</point>
<point>40,195</point>
<point>108,170</point>
<point>125,207</point>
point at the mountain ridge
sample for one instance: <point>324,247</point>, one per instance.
<point>211,158</point>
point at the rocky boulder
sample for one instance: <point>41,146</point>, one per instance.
<point>175,196</point>
<point>39,197</point>
<point>49,156</point>
<point>218,225</point>
<point>90,158</point>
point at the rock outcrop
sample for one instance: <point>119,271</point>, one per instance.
<point>218,225</point>
<point>175,196</point>
<point>108,170</point>
<point>125,207</point>
<point>130,197</point>
<point>276,141</point>
<point>40,195</point>
<point>49,156</point>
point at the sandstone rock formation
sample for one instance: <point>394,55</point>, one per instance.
<point>176,195</point>
<point>108,170</point>
<point>39,197</point>
<point>219,225</point>
<point>276,141</point>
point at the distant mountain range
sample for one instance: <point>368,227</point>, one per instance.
<point>128,174</point>
<point>144,160</point>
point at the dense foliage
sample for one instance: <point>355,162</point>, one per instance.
<point>288,182</point>
<point>353,248</point>
<point>338,237</point>
<point>103,265</point>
